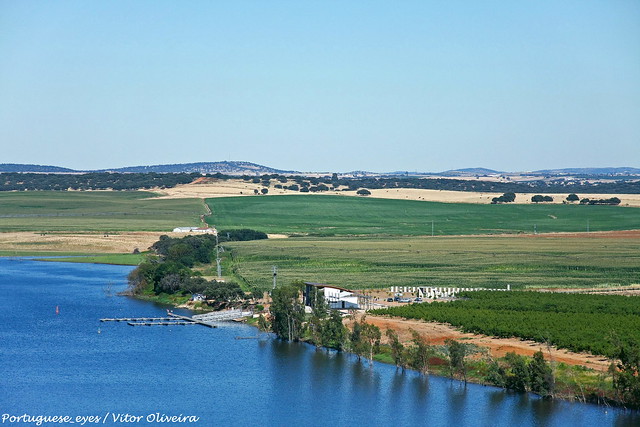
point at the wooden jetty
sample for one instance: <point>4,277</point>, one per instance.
<point>171,320</point>
<point>191,319</point>
<point>221,316</point>
<point>137,319</point>
<point>160,323</point>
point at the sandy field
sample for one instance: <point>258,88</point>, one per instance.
<point>124,242</point>
<point>230,188</point>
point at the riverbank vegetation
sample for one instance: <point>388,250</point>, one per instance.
<point>600,324</point>
<point>347,216</point>
<point>172,275</point>
<point>455,359</point>
<point>577,322</point>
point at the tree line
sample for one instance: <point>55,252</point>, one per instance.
<point>170,270</point>
<point>324,328</point>
<point>318,184</point>
<point>92,181</point>
<point>601,324</point>
<point>15,181</point>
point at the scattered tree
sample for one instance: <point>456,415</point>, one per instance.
<point>365,339</point>
<point>626,371</point>
<point>517,376</point>
<point>397,349</point>
<point>334,332</point>
<point>287,313</point>
<point>540,198</point>
<point>457,353</point>
<point>505,198</point>
<point>541,379</point>
<point>419,354</point>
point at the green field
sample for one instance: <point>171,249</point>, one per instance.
<point>472,261</point>
<point>101,211</point>
<point>322,215</point>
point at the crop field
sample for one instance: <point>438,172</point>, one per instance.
<point>322,215</point>
<point>472,261</point>
<point>101,211</point>
<point>576,322</point>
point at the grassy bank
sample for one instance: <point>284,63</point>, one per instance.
<point>113,259</point>
<point>340,215</point>
<point>490,261</point>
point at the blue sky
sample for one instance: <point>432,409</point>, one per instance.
<point>321,85</point>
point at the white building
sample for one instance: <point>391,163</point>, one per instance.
<point>336,297</point>
<point>204,230</point>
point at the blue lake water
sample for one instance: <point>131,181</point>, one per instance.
<point>58,364</point>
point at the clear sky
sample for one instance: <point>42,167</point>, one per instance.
<point>331,85</point>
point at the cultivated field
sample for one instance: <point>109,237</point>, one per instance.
<point>474,261</point>
<point>95,211</point>
<point>236,187</point>
<point>336,215</point>
<point>573,321</point>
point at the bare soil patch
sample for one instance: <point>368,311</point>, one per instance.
<point>124,242</point>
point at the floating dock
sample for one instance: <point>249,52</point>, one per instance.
<point>137,319</point>
<point>172,320</point>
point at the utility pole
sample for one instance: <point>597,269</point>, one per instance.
<point>275,275</point>
<point>431,228</point>
<point>219,267</point>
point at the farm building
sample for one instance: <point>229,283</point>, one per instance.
<point>204,230</point>
<point>336,297</point>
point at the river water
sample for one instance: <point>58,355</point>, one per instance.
<point>70,364</point>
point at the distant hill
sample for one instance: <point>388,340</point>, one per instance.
<point>589,171</point>
<point>227,168</point>
<point>469,171</point>
<point>14,167</point>
<point>248,168</point>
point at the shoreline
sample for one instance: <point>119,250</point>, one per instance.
<point>441,372</point>
<point>380,357</point>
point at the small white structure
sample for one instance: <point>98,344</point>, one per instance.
<point>205,230</point>
<point>336,297</point>
<point>431,292</point>
<point>197,297</point>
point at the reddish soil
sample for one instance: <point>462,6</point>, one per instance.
<point>437,333</point>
